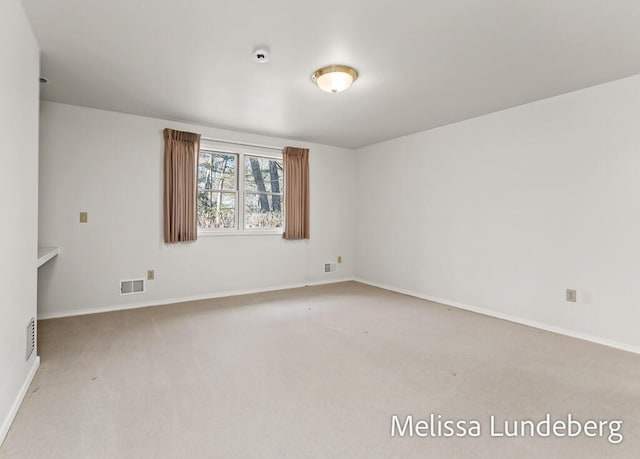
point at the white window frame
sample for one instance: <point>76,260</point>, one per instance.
<point>241,152</point>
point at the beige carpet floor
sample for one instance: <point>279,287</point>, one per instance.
<point>314,372</point>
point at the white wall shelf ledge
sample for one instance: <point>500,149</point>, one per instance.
<point>46,253</point>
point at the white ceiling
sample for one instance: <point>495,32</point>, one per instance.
<point>422,63</point>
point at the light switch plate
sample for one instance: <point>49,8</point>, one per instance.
<point>84,217</point>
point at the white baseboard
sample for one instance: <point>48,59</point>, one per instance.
<point>6,425</point>
<point>330,281</point>
<point>162,302</point>
<point>510,318</point>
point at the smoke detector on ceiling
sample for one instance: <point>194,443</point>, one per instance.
<point>261,55</point>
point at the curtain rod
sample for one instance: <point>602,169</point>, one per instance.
<point>244,144</point>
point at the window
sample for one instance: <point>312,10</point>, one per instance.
<point>239,191</point>
<point>263,186</point>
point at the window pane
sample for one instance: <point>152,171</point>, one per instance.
<point>262,210</point>
<point>216,210</point>
<point>217,171</point>
<point>263,174</point>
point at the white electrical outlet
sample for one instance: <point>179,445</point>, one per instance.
<point>572,295</point>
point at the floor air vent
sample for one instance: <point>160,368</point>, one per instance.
<point>129,287</point>
<point>31,337</point>
<point>330,267</point>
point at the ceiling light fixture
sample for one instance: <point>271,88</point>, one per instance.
<point>334,78</point>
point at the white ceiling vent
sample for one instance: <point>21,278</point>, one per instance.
<point>129,287</point>
<point>31,337</point>
<point>330,267</point>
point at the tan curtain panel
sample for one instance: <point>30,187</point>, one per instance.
<point>181,150</point>
<point>296,193</point>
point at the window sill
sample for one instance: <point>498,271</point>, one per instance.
<point>240,233</point>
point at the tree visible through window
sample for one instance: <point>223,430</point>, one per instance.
<point>239,191</point>
<point>262,192</point>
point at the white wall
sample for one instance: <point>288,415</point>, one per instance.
<point>506,211</point>
<point>110,165</point>
<point>19,58</point>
